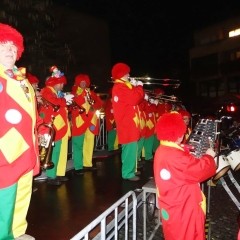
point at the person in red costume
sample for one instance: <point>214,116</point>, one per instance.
<point>33,80</point>
<point>19,160</point>
<point>84,125</point>
<point>52,92</point>
<point>186,118</point>
<point>112,139</point>
<point>126,99</point>
<point>177,175</point>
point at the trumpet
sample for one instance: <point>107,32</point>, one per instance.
<point>46,103</point>
<point>45,148</point>
<point>75,106</point>
<point>89,99</point>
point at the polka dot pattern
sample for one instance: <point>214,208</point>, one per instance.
<point>165,174</point>
<point>13,116</point>
<point>165,214</point>
<point>115,98</point>
<point>92,127</point>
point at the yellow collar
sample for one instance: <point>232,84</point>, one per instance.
<point>170,144</point>
<point>127,83</point>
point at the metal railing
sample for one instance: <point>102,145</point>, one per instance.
<point>110,230</point>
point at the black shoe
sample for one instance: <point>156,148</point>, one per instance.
<point>79,172</point>
<point>89,168</point>
<point>135,178</point>
<point>137,173</point>
<point>54,181</point>
<point>62,178</point>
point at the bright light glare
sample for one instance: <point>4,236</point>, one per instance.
<point>234,33</point>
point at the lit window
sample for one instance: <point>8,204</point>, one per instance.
<point>234,33</point>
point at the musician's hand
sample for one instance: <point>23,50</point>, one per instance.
<point>211,152</point>
<point>146,97</point>
<point>139,83</point>
<point>133,82</point>
<point>151,100</point>
<point>44,139</point>
<point>156,102</point>
<point>69,98</point>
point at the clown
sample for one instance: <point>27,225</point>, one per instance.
<point>50,92</point>
<point>177,175</point>
<point>84,125</point>
<point>126,99</point>
<point>186,118</point>
<point>19,160</point>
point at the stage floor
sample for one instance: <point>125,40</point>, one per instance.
<point>60,212</point>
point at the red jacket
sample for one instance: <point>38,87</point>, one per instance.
<point>125,109</point>
<point>88,119</point>
<point>19,148</point>
<point>150,119</point>
<point>61,122</point>
<point>109,117</point>
<point>177,175</point>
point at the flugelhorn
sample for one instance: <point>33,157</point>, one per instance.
<point>45,148</point>
<point>75,106</point>
<point>89,99</point>
<point>46,103</point>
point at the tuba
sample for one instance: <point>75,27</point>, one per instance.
<point>45,147</point>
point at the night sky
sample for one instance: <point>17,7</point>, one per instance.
<point>153,36</point>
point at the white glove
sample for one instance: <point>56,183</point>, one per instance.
<point>133,82</point>
<point>139,83</point>
<point>68,98</point>
<point>146,97</point>
<point>156,102</point>
<point>151,100</point>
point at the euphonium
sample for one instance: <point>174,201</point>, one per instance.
<point>46,103</point>
<point>89,99</point>
<point>45,149</point>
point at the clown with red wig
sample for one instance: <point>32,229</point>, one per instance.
<point>85,126</point>
<point>19,160</point>
<point>186,118</point>
<point>126,99</point>
<point>52,92</point>
<point>177,176</point>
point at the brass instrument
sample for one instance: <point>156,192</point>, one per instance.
<point>89,99</point>
<point>156,81</point>
<point>166,98</point>
<point>46,103</point>
<point>75,106</point>
<point>45,148</point>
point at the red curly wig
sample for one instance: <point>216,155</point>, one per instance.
<point>170,127</point>
<point>10,34</point>
<point>82,77</point>
<point>119,70</point>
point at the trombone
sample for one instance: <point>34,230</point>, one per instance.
<point>155,81</point>
<point>46,103</point>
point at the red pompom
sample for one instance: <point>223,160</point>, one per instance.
<point>119,70</point>
<point>32,79</point>
<point>170,127</point>
<point>185,113</point>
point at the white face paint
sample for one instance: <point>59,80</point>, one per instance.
<point>8,54</point>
